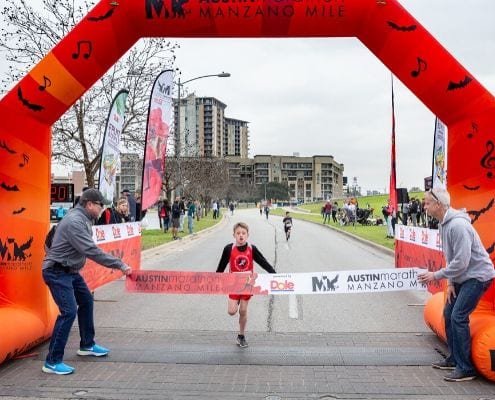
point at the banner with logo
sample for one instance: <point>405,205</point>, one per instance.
<point>439,165</point>
<point>333,282</point>
<point>110,153</point>
<point>420,247</point>
<point>121,240</point>
<point>159,121</point>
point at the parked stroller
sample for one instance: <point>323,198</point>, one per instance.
<point>363,216</point>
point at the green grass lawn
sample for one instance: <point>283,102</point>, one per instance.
<point>155,237</point>
<point>375,233</point>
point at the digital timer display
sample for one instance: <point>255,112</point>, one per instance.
<point>62,193</point>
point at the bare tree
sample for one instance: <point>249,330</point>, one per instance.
<point>201,178</point>
<point>77,136</point>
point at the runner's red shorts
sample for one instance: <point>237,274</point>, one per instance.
<point>240,296</point>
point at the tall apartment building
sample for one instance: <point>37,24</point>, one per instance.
<point>308,178</point>
<point>206,132</point>
<point>235,138</point>
<point>131,173</point>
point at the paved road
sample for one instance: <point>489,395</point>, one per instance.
<point>366,346</point>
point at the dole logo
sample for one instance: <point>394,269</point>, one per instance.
<point>130,230</point>
<point>412,235</point>
<point>401,233</point>
<point>100,234</point>
<point>116,232</point>
<point>285,286</point>
<point>424,236</point>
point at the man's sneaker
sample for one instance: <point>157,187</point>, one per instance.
<point>95,350</point>
<point>457,376</point>
<point>59,369</point>
<point>241,341</point>
<point>444,364</point>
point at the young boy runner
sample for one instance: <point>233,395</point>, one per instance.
<point>240,256</point>
<point>287,221</point>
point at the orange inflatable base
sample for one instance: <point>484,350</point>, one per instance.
<point>482,325</point>
<point>21,330</point>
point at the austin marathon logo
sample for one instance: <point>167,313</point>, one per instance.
<point>325,284</point>
<point>12,251</point>
<point>246,9</point>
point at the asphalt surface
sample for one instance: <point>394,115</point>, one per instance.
<point>360,346</point>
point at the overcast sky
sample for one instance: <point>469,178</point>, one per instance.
<point>332,95</point>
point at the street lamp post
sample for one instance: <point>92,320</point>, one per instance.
<point>178,128</point>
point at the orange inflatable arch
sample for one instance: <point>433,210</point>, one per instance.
<point>111,28</point>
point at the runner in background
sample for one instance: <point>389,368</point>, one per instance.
<point>287,221</point>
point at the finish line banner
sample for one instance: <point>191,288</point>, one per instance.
<point>362,281</point>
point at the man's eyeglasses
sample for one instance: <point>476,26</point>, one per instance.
<point>98,202</point>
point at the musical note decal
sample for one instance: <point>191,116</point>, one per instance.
<point>85,47</point>
<point>491,248</point>
<point>473,131</point>
<point>46,83</point>
<point>421,67</point>
<point>25,160</point>
<point>8,188</point>
<point>19,211</point>
<point>478,214</point>
<point>460,84</point>
<point>409,28</point>
<point>31,106</point>
<point>4,146</point>
<point>488,160</point>
<point>471,187</point>
<point>108,14</point>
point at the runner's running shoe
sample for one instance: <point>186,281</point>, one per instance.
<point>58,369</point>
<point>95,350</point>
<point>241,341</point>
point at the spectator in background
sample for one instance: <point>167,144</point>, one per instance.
<point>116,215</point>
<point>60,213</point>
<point>132,204</point>
<point>191,210</point>
<point>215,210</point>
<point>182,205</point>
<point>327,211</point>
<point>334,211</point>
<point>140,213</point>
<point>164,215</point>
<point>175,211</point>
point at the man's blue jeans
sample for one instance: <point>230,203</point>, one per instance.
<point>190,223</point>
<point>72,296</point>
<point>456,315</point>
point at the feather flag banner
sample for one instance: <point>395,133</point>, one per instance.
<point>110,153</point>
<point>159,121</point>
<point>439,164</point>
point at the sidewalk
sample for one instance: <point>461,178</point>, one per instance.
<point>207,365</point>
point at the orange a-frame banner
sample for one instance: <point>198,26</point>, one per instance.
<point>418,246</point>
<point>121,240</point>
